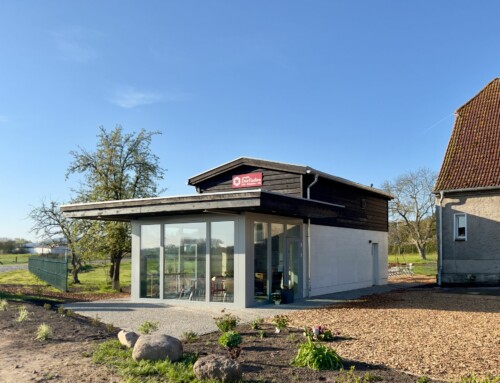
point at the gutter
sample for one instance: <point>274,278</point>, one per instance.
<point>308,263</point>
<point>440,255</point>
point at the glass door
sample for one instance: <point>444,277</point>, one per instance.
<point>292,267</point>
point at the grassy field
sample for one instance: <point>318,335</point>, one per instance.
<point>93,279</point>
<point>420,266</point>
<point>13,259</point>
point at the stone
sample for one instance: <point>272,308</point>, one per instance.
<point>157,347</point>
<point>127,338</point>
<point>217,367</point>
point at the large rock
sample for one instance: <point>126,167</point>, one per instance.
<point>157,347</point>
<point>127,338</point>
<point>217,367</point>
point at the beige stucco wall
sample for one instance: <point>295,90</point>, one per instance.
<point>477,259</point>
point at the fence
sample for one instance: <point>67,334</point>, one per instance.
<point>54,271</point>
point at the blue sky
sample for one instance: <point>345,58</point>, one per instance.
<point>364,90</point>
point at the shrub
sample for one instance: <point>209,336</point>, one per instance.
<point>280,321</point>
<point>317,357</point>
<point>226,322</point>
<point>44,332</point>
<point>148,327</point>
<point>23,314</point>
<point>4,304</point>
<point>231,340</point>
<point>256,323</point>
<point>189,336</point>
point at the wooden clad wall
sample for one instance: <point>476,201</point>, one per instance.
<point>272,180</point>
<point>363,210</point>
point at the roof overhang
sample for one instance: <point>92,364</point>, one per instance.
<point>230,202</point>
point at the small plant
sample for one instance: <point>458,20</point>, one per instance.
<point>23,314</point>
<point>148,327</point>
<point>231,340</point>
<point>292,337</point>
<point>70,313</point>
<point>109,327</point>
<point>262,334</point>
<point>488,379</point>
<point>276,297</point>
<point>4,304</point>
<point>226,322</point>
<point>317,357</point>
<point>256,323</point>
<point>280,321</point>
<point>61,311</point>
<point>96,321</point>
<point>47,306</point>
<point>44,332</point>
<point>423,379</point>
<point>350,377</point>
<point>189,336</point>
<point>320,333</point>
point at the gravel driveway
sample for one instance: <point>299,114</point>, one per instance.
<point>181,316</point>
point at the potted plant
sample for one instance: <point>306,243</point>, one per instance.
<point>276,297</point>
<point>287,295</point>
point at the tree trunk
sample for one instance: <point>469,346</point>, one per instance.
<point>421,251</point>
<point>116,274</point>
<point>76,268</point>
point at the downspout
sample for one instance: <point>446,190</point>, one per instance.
<point>308,285</point>
<point>440,255</point>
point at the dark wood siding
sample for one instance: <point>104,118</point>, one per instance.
<point>272,180</point>
<point>363,210</point>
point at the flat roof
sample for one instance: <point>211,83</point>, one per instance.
<point>227,202</point>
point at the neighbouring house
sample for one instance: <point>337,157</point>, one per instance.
<point>468,194</point>
<point>254,227</point>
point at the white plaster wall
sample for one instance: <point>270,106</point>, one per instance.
<point>341,259</point>
<point>135,261</point>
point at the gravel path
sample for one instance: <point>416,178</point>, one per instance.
<point>181,316</point>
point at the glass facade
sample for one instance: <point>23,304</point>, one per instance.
<point>150,261</point>
<point>185,261</point>
<point>222,261</point>
<point>277,259</point>
<point>261,291</point>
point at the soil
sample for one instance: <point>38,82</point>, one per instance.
<point>395,337</point>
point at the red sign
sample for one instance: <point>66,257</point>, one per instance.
<point>247,180</point>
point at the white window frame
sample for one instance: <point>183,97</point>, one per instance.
<point>456,235</point>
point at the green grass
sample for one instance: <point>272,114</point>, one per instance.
<point>94,280</point>
<point>420,266</point>
<point>14,259</point>
<point>113,355</point>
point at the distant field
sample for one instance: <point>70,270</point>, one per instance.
<point>95,278</point>
<point>13,259</point>
<point>421,267</point>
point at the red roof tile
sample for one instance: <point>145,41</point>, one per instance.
<point>472,159</point>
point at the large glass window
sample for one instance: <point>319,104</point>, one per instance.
<point>277,256</point>
<point>185,261</point>
<point>222,261</point>
<point>150,261</point>
<point>260,261</point>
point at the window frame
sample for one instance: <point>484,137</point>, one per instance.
<point>456,235</point>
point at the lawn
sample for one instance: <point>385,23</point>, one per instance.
<point>420,266</point>
<point>94,278</point>
<point>13,259</point>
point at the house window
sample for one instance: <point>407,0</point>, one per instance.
<point>460,227</point>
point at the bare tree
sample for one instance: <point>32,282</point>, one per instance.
<point>414,205</point>
<point>49,223</point>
